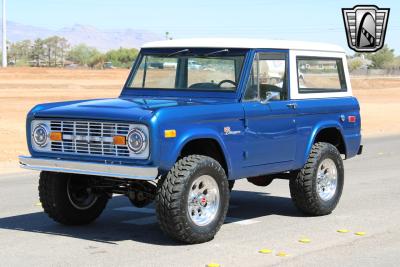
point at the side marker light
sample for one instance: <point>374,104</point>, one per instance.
<point>170,133</point>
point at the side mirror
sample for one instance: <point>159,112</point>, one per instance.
<point>270,95</point>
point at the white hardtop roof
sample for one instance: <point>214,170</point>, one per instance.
<point>243,43</point>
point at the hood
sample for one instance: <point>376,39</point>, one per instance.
<point>123,109</point>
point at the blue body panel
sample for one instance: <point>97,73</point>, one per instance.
<point>263,138</point>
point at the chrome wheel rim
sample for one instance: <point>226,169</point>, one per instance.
<point>327,179</point>
<point>203,200</point>
<point>80,194</point>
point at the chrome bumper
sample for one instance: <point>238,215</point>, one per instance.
<point>89,168</point>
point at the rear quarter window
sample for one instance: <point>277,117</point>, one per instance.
<point>320,75</point>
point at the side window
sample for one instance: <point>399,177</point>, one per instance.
<point>268,78</point>
<point>320,75</point>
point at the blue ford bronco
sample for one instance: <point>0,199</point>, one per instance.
<point>194,116</point>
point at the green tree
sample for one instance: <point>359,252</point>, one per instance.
<point>381,58</point>
<point>51,50</point>
<point>83,54</point>
<point>395,64</point>
<point>122,57</point>
<point>354,63</point>
<point>55,50</point>
<point>18,52</point>
<point>12,53</point>
<point>63,47</point>
<point>37,52</point>
<point>97,60</point>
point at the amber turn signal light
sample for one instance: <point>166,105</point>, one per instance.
<point>169,133</point>
<point>119,140</point>
<point>56,136</point>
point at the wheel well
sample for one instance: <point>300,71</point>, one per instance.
<point>206,147</point>
<point>332,136</point>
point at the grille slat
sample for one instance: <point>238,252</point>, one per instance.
<point>90,138</point>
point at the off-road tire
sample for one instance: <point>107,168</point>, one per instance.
<point>172,198</point>
<point>55,202</point>
<point>303,187</point>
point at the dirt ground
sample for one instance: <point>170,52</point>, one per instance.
<point>22,88</point>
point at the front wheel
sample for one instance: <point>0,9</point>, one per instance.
<point>317,188</point>
<point>192,200</point>
<point>70,199</point>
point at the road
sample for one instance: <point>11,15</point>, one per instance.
<point>259,218</point>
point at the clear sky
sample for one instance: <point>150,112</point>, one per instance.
<point>272,19</point>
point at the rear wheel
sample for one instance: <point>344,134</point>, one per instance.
<point>317,188</point>
<point>192,200</point>
<point>70,199</point>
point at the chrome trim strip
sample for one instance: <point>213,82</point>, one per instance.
<point>89,168</point>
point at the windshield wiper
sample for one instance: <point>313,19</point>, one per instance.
<point>178,52</point>
<point>217,52</point>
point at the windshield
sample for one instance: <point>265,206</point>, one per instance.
<point>183,69</point>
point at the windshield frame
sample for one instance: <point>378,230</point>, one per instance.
<point>185,92</point>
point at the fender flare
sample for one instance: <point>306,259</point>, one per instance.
<point>316,130</point>
<point>195,134</point>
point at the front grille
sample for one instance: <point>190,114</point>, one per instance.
<point>89,138</point>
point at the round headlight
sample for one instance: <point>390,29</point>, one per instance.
<point>40,135</point>
<point>137,141</point>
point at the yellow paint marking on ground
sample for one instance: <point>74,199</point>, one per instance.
<point>265,251</point>
<point>304,240</point>
<point>282,254</point>
<point>39,204</point>
<point>213,265</point>
<point>343,231</point>
<point>360,233</point>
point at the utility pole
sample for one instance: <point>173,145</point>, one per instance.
<point>4,36</point>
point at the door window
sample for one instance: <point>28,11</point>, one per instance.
<point>268,79</point>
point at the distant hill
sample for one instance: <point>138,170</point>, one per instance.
<point>101,39</point>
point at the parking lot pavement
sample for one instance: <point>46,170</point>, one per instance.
<point>258,218</point>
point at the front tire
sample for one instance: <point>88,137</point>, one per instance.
<point>317,188</point>
<point>68,198</point>
<point>192,200</point>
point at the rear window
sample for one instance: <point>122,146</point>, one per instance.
<point>320,75</point>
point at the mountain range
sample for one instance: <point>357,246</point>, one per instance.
<point>101,39</point>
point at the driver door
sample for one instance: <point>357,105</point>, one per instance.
<point>270,135</point>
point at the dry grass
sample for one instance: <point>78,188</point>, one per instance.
<point>22,88</point>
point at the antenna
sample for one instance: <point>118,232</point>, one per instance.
<point>4,36</point>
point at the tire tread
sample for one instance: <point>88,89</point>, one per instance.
<point>170,193</point>
<point>55,204</point>
<point>302,187</point>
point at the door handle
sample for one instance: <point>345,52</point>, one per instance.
<point>292,105</point>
